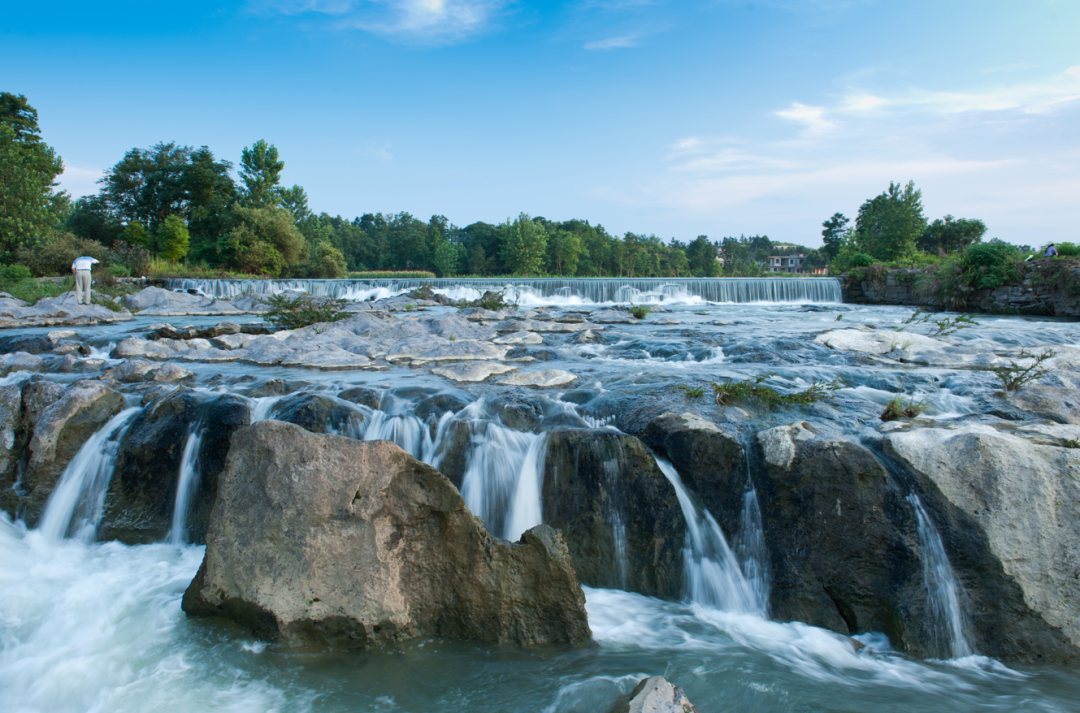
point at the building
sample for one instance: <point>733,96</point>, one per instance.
<point>786,263</point>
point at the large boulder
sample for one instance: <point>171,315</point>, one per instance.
<point>59,430</point>
<point>619,514</point>
<point>320,539</point>
<point>1011,527</point>
<point>654,695</point>
<point>710,460</point>
<point>221,418</point>
<point>315,412</point>
<point>10,425</point>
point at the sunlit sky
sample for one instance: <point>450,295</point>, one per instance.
<point>674,118</point>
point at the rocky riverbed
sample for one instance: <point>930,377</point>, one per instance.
<point>948,535</point>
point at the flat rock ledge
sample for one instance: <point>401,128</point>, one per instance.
<point>472,371</point>
<point>654,695</point>
<point>539,379</point>
<point>327,541</point>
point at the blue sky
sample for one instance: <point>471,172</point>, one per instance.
<point>674,118</point>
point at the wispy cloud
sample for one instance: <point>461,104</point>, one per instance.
<point>613,43</point>
<point>811,117</point>
<point>80,181</point>
<point>381,153</point>
<point>422,21</point>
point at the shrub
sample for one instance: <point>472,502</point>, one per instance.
<point>1014,376</point>
<point>55,255</point>
<point>296,312</point>
<point>860,260</point>
<point>173,238</point>
<point>640,311</point>
<point>980,266</point>
<point>730,392</point>
<point>134,258</point>
<point>1068,249</point>
<point>489,300</point>
<point>14,273</point>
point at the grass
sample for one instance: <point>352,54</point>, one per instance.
<point>302,311</point>
<point>692,392</point>
<point>490,300</point>
<point>640,311</point>
<point>31,289</point>
<point>1014,376</point>
<point>390,275</point>
<point>1073,443</point>
<point>730,392</point>
<point>896,409</point>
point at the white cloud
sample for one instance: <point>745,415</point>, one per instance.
<point>381,153</point>
<point>613,43</point>
<point>425,21</point>
<point>80,181</point>
<point>812,117</point>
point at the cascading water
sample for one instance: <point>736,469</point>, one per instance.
<point>77,503</point>
<point>549,290</point>
<point>943,591</point>
<point>750,542</point>
<point>186,485</point>
<point>713,574</point>
<point>407,431</point>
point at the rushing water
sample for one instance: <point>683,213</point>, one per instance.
<point>88,626</point>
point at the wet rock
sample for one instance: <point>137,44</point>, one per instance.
<point>141,495</point>
<point>161,302</point>
<point>459,350</point>
<point>56,311</point>
<point>452,457</point>
<point>654,695</point>
<point>363,396</point>
<point>614,316</point>
<point>586,337</point>
<point>327,358</point>
<point>134,371</point>
<point>605,492</point>
<point>275,387</point>
<point>20,361</point>
<point>471,371</point>
<point>1057,403</point>
<point>540,379</point>
<point>522,354</point>
<point>10,424</point>
<point>171,372</point>
<point>330,541</point>
<point>517,411</point>
<point>518,338</point>
<point>432,408</point>
<point>233,341</point>
<point>878,341</point>
<point>314,412</point>
<point>221,418</point>
<point>1020,498</point>
<point>59,431</point>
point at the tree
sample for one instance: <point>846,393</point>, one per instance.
<point>524,246</point>
<point>567,248</point>
<point>29,209</point>
<point>815,259</point>
<point>951,234</point>
<point>702,256</point>
<point>889,225</point>
<point>264,241</point>
<point>172,238</point>
<point>295,201</point>
<point>447,257</point>
<point>260,170</point>
<point>833,234</point>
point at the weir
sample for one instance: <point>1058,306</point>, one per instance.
<point>565,291</point>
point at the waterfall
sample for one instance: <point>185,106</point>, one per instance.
<point>943,591</point>
<point>186,485</point>
<point>567,291</point>
<point>618,529</point>
<point>526,509</point>
<point>750,542</point>
<point>713,574</point>
<point>78,501</point>
<point>407,431</point>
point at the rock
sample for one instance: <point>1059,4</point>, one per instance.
<point>221,418</point>
<point>20,361</point>
<point>433,407</point>
<point>59,431</point>
<point>878,341</point>
<point>586,337</point>
<point>519,338</point>
<point>134,371</point>
<point>10,424</point>
<point>232,341</point>
<point>614,316</point>
<point>160,302</point>
<point>460,350</point>
<point>1053,402</point>
<point>134,347</point>
<point>324,540</point>
<point>1021,499</point>
<point>542,378</point>
<point>778,444</point>
<point>517,411</point>
<point>362,395</point>
<point>530,325</point>
<point>605,492</point>
<point>471,371</point>
<point>413,347</point>
<point>316,413</point>
<point>327,358</point>
<point>451,456</point>
<point>654,695</point>
<point>56,311</point>
<point>171,372</point>
<point>265,351</point>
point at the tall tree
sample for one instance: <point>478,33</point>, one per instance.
<point>833,234</point>
<point>29,208</point>
<point>889,225</point>
<point>260,170</point>
<point>951,234</point>
<point>525,245</point>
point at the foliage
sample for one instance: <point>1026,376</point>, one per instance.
<point>833,234</point>
<point>889,225</point>
<point>896,409</point>
<point>55,255</point>
<point>949,234</point>
<point>980,266</point>
<point>489,300</point>
<point>945,327</point>
<point>694,392</point>
<point>29,209</point>
<point>172,238</point>
<point>423,292</point>
<point>525,245</point>
<point>260,170</point>
<point>1067,250</point>
<point>134,258</point>
<point>1014,376</point>
<point>860,260</point>
<point>265,241</point>
<point>14,273</point>
<point>640,311</point>
<point>324,262</point>
<point>390,275</point>
<point>296,312</point>
<point>731,392</point>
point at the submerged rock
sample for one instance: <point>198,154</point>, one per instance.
<point>330,541</point>
<point>1021,499</point>
<point>619,514</point>
<point>654,695</point>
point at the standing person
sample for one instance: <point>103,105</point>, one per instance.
<point>81,269</point>
<point>1051,251</point>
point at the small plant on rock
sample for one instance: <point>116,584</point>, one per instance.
<point>947,326</point>
<point>296,312</point>
<point>896,409</point>
<point>692,392</point>
<point>493,301</point>
<point>730,392</point>
<point>640,311</point>
<point>423,292</point>
<point>1014,376</point>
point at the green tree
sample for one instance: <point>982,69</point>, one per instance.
<point>950,235</point>
<point>29,208</point>
<point>525,245</point>
<point>567,248</point>
<point>889,226</point>
<point>702,256</point>
<point>264,241</point>
<point>447,258</point>
<point>172,238</point>
<point>833,234</point>
<point>295,201</point>
<point>260,170</point>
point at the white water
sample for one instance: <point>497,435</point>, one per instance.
<point>714,576</point>
<point>77,502</point>
<point>407,431</point>
<point>186,485</point>
<point>943,591</point>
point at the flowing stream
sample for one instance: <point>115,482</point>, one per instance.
<point>97,626</point>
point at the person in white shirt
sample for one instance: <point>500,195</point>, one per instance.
<point>81,269</point>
